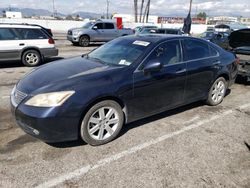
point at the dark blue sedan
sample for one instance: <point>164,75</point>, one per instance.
<point>129,78</point>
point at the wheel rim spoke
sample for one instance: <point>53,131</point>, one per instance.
<point>101,113</point>
<point>110,113</point>
<point>94,129</point>
<point>113,121</point>
<point>94,120</point>
<point>109,129</point>
<point>100,134</point>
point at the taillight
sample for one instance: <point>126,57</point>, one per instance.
<point>51,41</point>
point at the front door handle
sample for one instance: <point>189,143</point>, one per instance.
<point>216,62</point>
<point>181,71</point>
<point>21,44</point>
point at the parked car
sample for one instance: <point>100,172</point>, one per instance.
<point>30,44</point>
<point>99,31</point>
<point>240,42</point>
<point>139,29</point>
<point>219,38</point>
<point>170,31</point>
<point>126,79</point>
<point>47,30</point>
<point>161,31</point>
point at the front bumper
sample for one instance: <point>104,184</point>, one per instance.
<point>72,38</point>
<point>49,52</point>
<point>43,124</point>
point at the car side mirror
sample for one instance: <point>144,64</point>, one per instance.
<point>94,27</point>
<point>153,66</point>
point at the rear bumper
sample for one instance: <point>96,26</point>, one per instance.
<point>49,52</point>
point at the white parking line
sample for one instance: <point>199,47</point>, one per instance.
<point>5,97</point>
<point>85,169</point>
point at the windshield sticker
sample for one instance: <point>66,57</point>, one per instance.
<point>124,62</point>
<point>141,43</point>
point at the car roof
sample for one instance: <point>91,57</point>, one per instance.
<point>6,25</point>
<point>155,38</point>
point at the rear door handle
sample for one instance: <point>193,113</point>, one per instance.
<point>181,71</point>
<point>21,44</point>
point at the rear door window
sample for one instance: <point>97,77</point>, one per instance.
<point>8,34</point>
<point>194,49</point>
<point>109,26</point>
<point>28,34</point>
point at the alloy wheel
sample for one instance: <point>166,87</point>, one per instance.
<point>32,58</point>
<point>218,91</point>
<point>103,123</point>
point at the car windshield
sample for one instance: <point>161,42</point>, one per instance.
<point>87,25</point>
<point>207,34</point>
<point>121,52</point>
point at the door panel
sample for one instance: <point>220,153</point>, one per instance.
<point>9,44</point>
<point>201,69</point>
<point>157,91</point>
<point>109,31</point>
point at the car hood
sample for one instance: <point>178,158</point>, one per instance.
<point>240,38</point>
<point>62,73</point>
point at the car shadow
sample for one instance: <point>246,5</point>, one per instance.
<point>159,116</point>
<point>68,144</point>
<point>93,44</point>
<point>16,64</point>
<point>242,80</point>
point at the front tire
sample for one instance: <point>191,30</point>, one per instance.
<point>102,123</point>
<point>217,92</point>
<point>84,41</point>
<point>31,58</point>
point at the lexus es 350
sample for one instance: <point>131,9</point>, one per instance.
<point>129,78</point>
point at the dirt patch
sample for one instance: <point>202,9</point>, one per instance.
<point>54,153</point>
<point>17,144</point>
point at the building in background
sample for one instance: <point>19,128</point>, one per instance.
<point>11,14</point>
<point>221,20</point>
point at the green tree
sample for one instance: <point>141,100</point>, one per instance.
<point>202,15</point>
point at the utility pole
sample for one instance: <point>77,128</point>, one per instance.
<point>142,4</point>
<point>107,16</point>
<point>190,6</point>
<point>148,11</point>
<point>135,10</point>
<point>53,1</point>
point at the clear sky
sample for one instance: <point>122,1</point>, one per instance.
<point>165,7</point>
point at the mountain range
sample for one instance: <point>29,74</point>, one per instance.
<point>27,12</point>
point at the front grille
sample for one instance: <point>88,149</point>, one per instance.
<point>69,32</point>
<point>19,96</point>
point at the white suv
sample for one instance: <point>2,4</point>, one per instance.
<point>27,43</point>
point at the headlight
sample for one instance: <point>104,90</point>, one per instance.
<point>76,32</point>
<point>49,99</point>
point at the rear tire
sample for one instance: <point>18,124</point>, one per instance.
<point>217,92</point>
<point>102,123</point>
<point>84,41</point>
<point>31,58</point>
